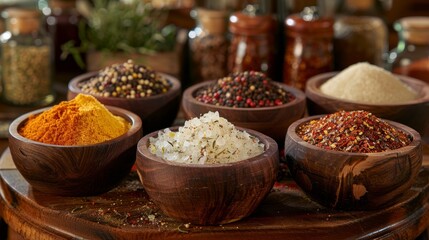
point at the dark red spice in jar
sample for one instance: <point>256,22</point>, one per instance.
<point>309,47</point>
<point>126,80</point>
<point>354,131</point>
<point>253,45</point>
<point>62,22</point>
<point>248,89</point>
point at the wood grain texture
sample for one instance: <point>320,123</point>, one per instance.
<point>344,180</point>
<point>156,112</point>
<point>122,213</point>
<point>272,121</point>
<point>75,170</point>
<point>414,113</point>
<point>208,194</point>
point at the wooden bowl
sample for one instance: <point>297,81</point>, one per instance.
<point>351,181</point>
<point>414,113</point>
<point>212,193</point>
<point>75,170</point>
<point>156,112</point>
<point>272,121</point>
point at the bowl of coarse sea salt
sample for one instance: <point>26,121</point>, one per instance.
<point>363,86</point>
<point>207,172</point>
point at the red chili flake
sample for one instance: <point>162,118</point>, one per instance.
<point>354,131</point>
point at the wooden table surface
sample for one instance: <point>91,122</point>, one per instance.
<point>127,213</point>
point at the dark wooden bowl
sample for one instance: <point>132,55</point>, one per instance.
<point>272,121</point>
<point>353,181</point>
<point>156,112</point>
<point>75,170</point>
<point>414,113</point>
<point>212,193</point>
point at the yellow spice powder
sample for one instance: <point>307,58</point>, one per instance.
<point>80,121</point>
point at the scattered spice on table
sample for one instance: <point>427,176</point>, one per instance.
<point>354,131</point>
<point>366,83</point>
<point>209,139</point>
<point>80,121</point>
<point>126,80</point>
<point>247,89</point>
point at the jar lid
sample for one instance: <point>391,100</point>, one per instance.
<point>26,20</point>
<point>414,29</point>
<point>413,23</point>
<point>359,4</point>
<point>308,21</point>
<point>62,4</point>
<point>21,13</point>
<point>358,23</point>
<point>243,23</point>
<point>214,21</point>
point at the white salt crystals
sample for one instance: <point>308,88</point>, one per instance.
<point>366,83</point>
<point>209,139</point>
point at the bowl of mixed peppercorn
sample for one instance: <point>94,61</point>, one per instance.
<point>249,100</point>
<point>153,96</point>
<point>353,160</point>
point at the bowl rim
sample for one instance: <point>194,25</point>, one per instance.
<point>291,132</point>
<point>270,146</point>
<point>134,119</point>
<point>175,87</point>
<point>313,88</point>
<point>189,95</point>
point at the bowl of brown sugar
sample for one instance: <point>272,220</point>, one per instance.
<point>249,100</point>
<point>76,148</point>
<point>353,160</point>
<point>363,86</point>
<point>153,96</point>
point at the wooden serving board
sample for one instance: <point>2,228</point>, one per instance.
<point>126,212</point>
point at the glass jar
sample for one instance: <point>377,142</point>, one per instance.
<point>411,56</point>
<point>62,20</point>
<point>376,8</point>
<point>208,44</point>
<point>252,41</point>
<point>26,56</point>
<point>359,39</point>
<point>308,47</point>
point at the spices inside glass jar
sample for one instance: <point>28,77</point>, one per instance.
<point>62,22</point>
<point>26,59</point>
<point>126,80</point>
<point>359,39</point>
<point>411,56</point>
<point>248,89</point>
<point>354,131</point>
<point>208,44</point>
<point>309,47</point>
<point>252,45</point>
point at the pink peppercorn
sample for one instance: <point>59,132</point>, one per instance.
<point>255,87</point>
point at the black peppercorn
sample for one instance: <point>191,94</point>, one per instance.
<point>126,81</point>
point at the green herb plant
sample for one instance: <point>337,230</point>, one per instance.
<point>116,26</point>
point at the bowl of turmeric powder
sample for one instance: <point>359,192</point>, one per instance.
<point>75,148</point>
<point>153,96</point>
